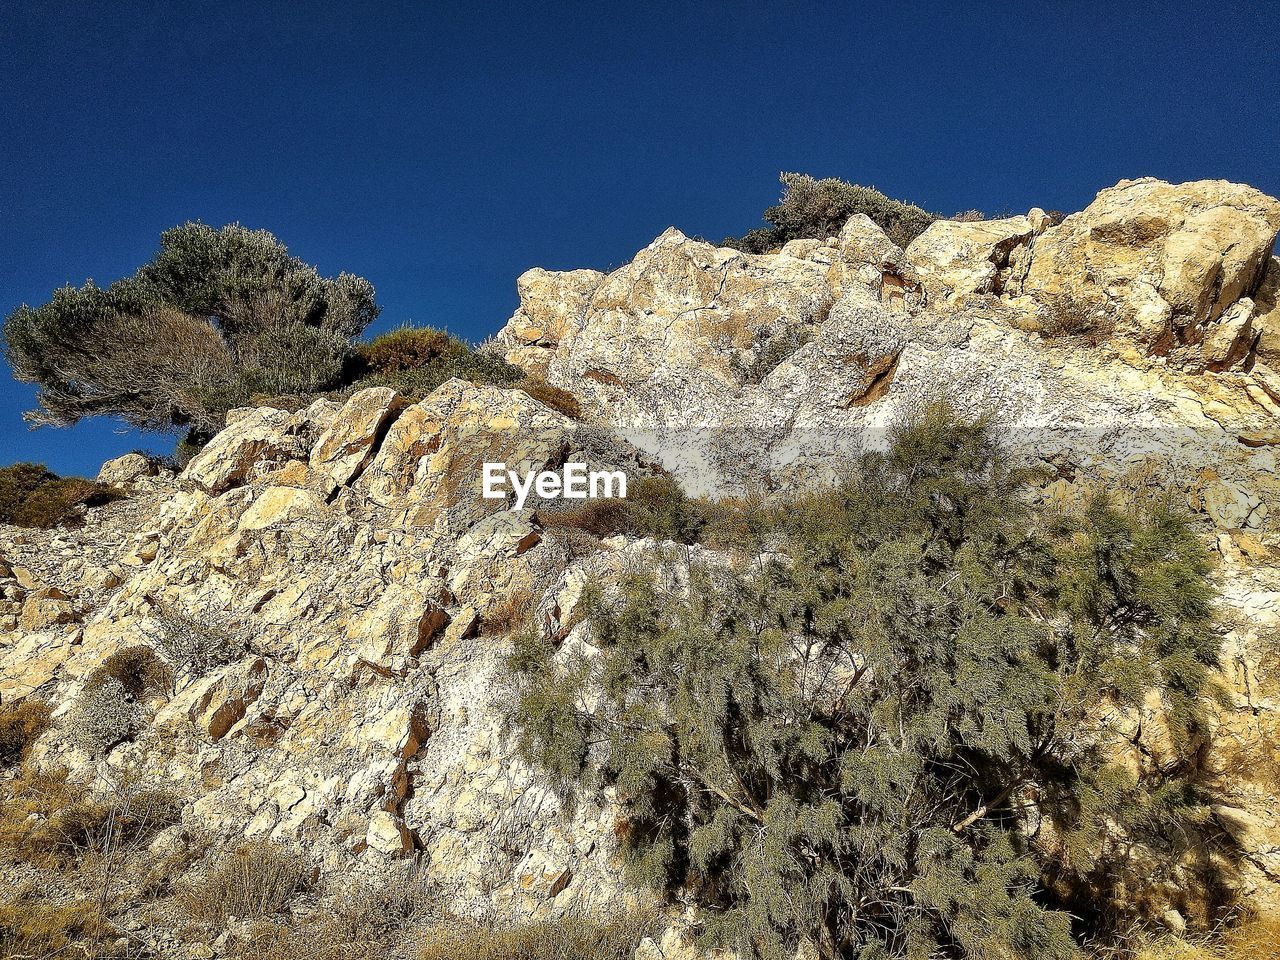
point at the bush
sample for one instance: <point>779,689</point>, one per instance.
<point>138,671</point>
<point>21,724</point>
<point>255,879</point>
<point>215,317</point>
<point>818,209</point>
<point>104,716</point>
<point>554,397</point>
<point>837,745</point>
<point>49,821</point>
<point>415,361</point>
<point>409,348</point>
<point>17,482</point>
<point>31,496</point>
<point>654,507</point>
<point>1068,314</point>
<point>193,647</point>
<point>32,926</point>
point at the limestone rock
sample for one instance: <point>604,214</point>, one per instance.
<point>1167,260</point>
<point>959,258</point>
<point>123,471</point>
<point>387,835</point>
<point>346,447</point>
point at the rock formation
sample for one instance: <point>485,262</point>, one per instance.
<point>346,583</point>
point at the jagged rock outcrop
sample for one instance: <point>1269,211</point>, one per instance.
<point>343,585</point>
<point>1173,264</point>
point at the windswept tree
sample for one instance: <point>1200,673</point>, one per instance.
<point>885,730</point>
<point>216,317</point>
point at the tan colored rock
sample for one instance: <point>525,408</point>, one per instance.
<point>1266,317</point>
<point>956,259</point>
<point>1165,259</point>
<point>279,505</point>
<point>253,444</point>
<point>45,609</point>
<point>346,447</point>
<point>388,835</point>
<point>122,471</point>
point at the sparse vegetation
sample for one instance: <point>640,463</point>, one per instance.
<point>50,821</point>
<point>21,724</point>
<point>191,646</point>
<point>655,507</point>
<point>33,496</point>
<point>552,396</point>
<point>31,926</point>
<point>1071,315</point>
<point>255,879</point>
<point>817,209</point>
<point>836,747</point>
<point>570,938</point>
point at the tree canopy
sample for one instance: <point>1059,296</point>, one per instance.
<point>214,317</point>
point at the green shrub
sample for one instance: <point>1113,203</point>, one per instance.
<point>31,496</point>
<point>817,209</point>
<point>214,318</point>
<point>409,348</point>
<point>104,716</point>
<point>17,482</point>
<point>474,366</point>
<point>21,724</point>
<point>837,746</point>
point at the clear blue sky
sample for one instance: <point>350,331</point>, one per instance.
<point>442,149</point>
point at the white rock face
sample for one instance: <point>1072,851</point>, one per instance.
<point>347,570</point>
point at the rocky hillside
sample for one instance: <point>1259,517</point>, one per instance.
<point>333,593</point>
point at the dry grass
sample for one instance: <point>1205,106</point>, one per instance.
<point>33,927</point>
<point>1069,315</point>
<point>508,613</point>
<point>253,880</point>
<point>552,396</point>
<point>570,938</point>
<point>21,724</point>
<point>50,822</point>
<point>1254,939</point>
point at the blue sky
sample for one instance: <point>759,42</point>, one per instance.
<point>441,149</point>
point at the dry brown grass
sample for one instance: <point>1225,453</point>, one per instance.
<point>507,613</point>
<point>20,724</point>
<point>1069,315</point>
<point>53,823</point>
<point>570,938</point>
<point>255,879</point>
<point>1254,939</point>
<point>552,396</point>
<point>33,927</point>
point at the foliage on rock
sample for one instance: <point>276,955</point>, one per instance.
<point>839,747</point>
<point>817,209</point>
<point>216,316</point>
<point>33,496</point>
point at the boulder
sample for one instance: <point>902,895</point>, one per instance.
<point>254,443</point>
<point>123,471</point>
<point>1166,260</point>
<point>346,447</point>
<point>956,259</point>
